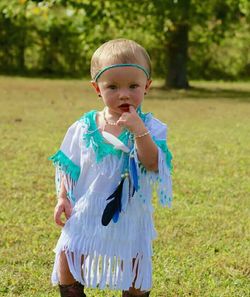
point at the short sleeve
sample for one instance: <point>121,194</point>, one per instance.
<point>163,178</point>
<point>67,160</point>
<point>71,144</point>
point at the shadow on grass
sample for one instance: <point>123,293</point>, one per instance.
<point>200,93</point>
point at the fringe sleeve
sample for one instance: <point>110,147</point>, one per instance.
<point>67,161</point>
<point>163,176</point>
<point>160,180</point>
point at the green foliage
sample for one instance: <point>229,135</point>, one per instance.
<point>219,44</point>
<point>58,37</point>
<point>202,249</point>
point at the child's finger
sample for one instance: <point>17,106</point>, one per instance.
<point>121,123</point>
<point>59,221</point>
<point>57,216</point>
<point>132,109</point>
<point>68,210</point>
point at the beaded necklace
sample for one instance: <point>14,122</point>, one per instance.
<point>106,121</point>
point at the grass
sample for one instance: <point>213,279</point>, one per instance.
<point>202,247</point>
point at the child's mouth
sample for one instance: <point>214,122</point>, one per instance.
<point>124,107</point>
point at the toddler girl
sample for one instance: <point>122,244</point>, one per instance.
<point>106,169</point>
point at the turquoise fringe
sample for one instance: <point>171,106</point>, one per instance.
<point>94,138</point>
<point>163,146</point>
<point>101,148</point>
<point>59,158</point>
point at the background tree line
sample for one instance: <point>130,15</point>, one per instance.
<point>186,39</point>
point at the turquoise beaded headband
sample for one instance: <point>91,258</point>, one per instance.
<point>99,73</point>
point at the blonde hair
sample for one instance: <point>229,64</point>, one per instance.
<point>119,51</point>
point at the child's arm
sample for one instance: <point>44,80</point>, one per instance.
<point>63,205</point>
<point>147,150</point>
<point>67,163</point>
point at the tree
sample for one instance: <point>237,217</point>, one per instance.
<point>57,37</point>
<point>175,19</point>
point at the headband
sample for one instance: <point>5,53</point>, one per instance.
<point>99,73</point>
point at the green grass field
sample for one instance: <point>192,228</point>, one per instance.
<point>203,244</point>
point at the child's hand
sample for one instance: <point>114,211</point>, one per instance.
<point>132,121</point>
<point>63,205</point>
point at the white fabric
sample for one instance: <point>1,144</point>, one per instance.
<point>108,251</point>
<point>72,142</point>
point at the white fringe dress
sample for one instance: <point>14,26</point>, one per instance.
<point>119,254</point>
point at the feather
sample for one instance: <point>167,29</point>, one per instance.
<point>117,143</point>
<point>116,216</point>
<point>113,206</point>
<point>125,194</point>
<point>133,173</point>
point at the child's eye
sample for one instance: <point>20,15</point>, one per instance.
<point>134,86</point>
<point>112,87</point>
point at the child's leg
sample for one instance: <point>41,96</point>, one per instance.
<point>68,286</point>
<point>65,276</point>
<point>132,290</point>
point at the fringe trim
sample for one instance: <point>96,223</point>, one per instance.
<point>103,271</point>
<point>66,165</point>
<point>160,180</point>
<point>93,138</point>
<point>162,144</point>
<point>108,254</point>
<point>164,181</point>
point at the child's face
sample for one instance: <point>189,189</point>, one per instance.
<point>121,87</point>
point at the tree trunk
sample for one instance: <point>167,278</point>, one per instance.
<point>22,39</point>
<point>21,50</point>
<point>177,53</point>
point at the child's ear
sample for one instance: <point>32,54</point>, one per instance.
<point>96,87</point>
<point>148,84</point>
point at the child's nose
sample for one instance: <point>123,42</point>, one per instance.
<point>124,94</point>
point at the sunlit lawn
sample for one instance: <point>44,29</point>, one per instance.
<point>203,244</point>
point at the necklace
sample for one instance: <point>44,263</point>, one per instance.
<point>106,121</point>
